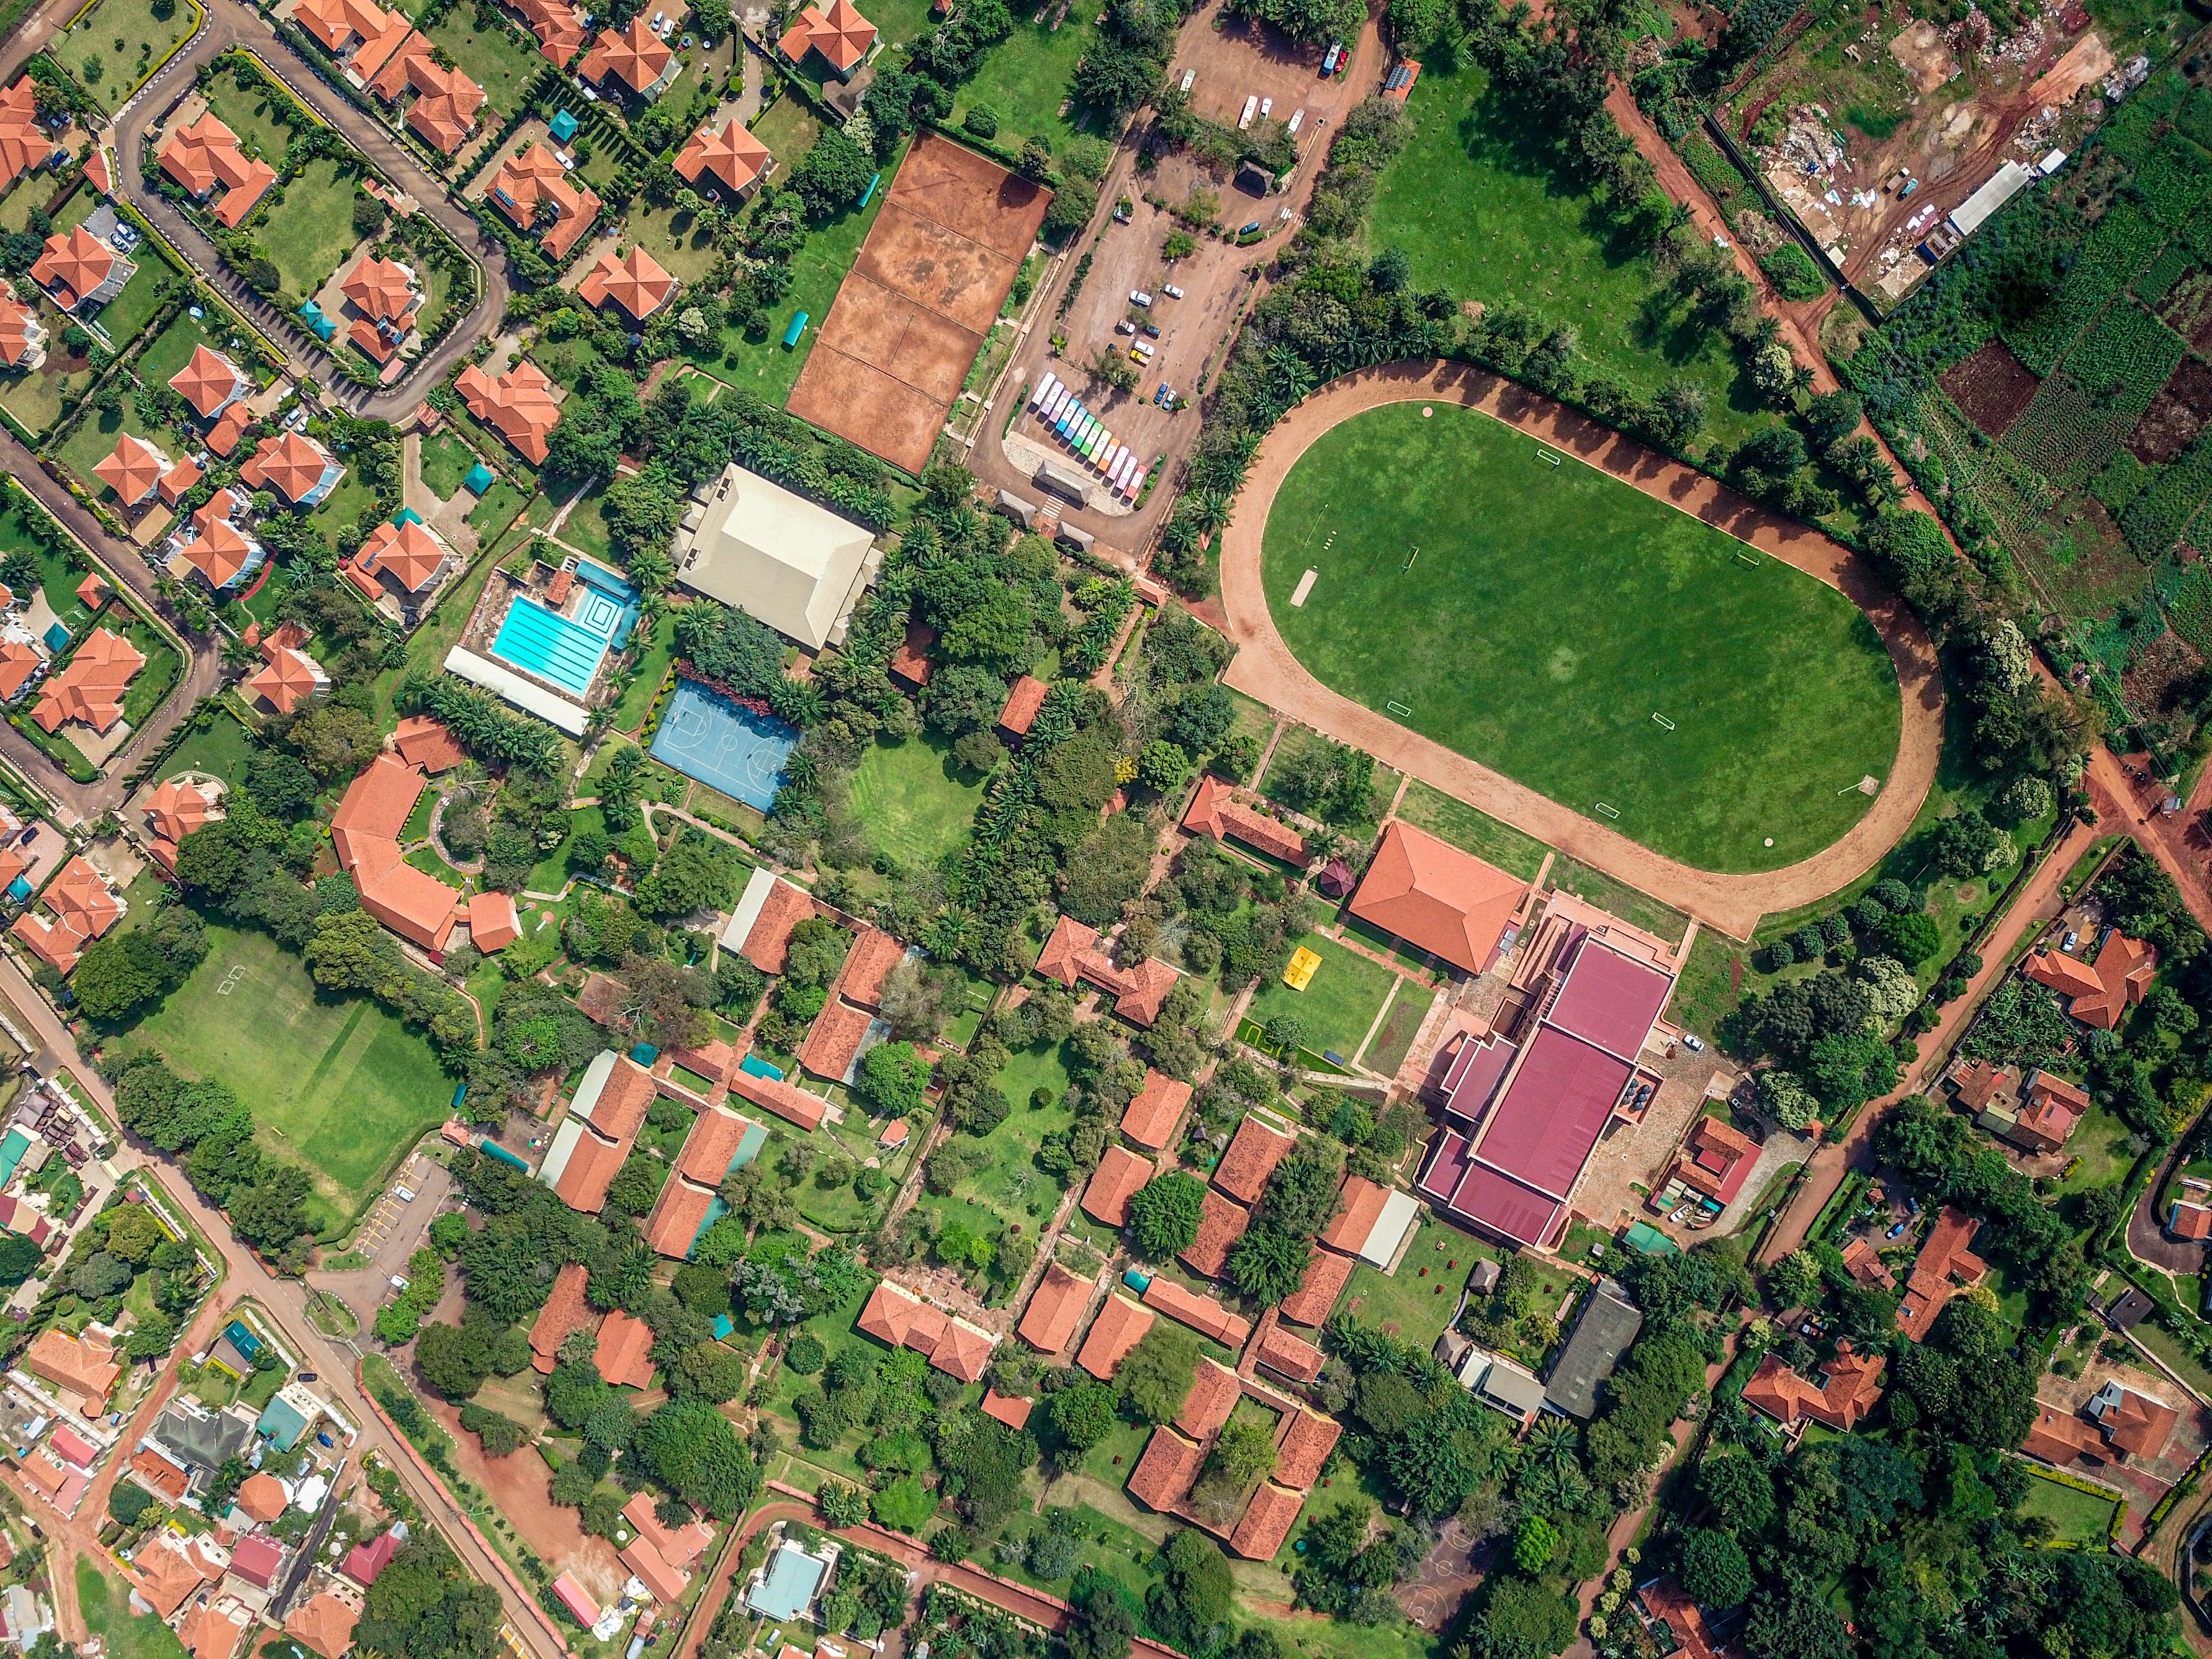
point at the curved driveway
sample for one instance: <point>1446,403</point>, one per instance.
<point>232,23</point>
<point>1265,668</point>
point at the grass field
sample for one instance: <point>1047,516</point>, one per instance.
<point>105,1605</point>
<point>1473,830</point>
<point>494,58</point>
<point>171,349</point>
<point>341,1086</point>
<point>1486,205</point>
<point>2081,1517</point>
<point>127,41</point>
<point>1338,1003</point>
<point>446,461</point>
<point>94,440</point>
<point>1024,81</point>
<point>1416,1302</point>
<point>1012,1188</point>
<point>251,112</point>
<point>130,310</point>
<point>311,230</point>
<point>914,800</point>
<point>1551,612</point>
<point>35,396</point>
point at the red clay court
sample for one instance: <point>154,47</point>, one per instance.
<point>912,312</point>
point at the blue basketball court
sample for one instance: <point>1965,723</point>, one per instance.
<point>707,737</point>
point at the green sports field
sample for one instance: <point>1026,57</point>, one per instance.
<point>1551,612</point>
<point>338,1083</point>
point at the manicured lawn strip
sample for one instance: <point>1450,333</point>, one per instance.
<point>637,700</point>
<point>171,350</point>
<point>1338,1005</point>
<point>1024,79</point>
<point>683,242</point>
<point>445,462</point>
<point>501,506</point>
<point>106,1606</point>
<point>1618,897</point>
<point>251,112</point>
<point>2081,1517</point>
<point>1486,205</point>
<point>585,529</point>
<point>915,800</point>
<point>147,40</point>
<point>342,1086</point>
<point>221,748</point>
<point>349,499</point>
<point>311,231</point>
<point>152,681</point>
<point>2105,1147</point>
<point>1409,1307</point>
<point>129,311</point>
<point>96,436</point>
<point>1473,830</point>
<point>1388,1052</point>
<point>1551,612</point>
<point>494,58</point>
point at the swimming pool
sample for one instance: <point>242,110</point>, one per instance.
<point>724,746</point>
<point>547,644</point>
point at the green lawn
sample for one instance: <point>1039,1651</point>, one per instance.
<point>1417,1303</point>
<point>171,349</point>
<point>916,802</point>
<point>447,460</point>
<point>683,242</point>
<point>1543,621</point>
<point>585,529</point>
<point>154,681</point>
<point>495,59</point>
<point>1487,205</point>
<point>126,42</point>
<point>130,310</point>
<point>222,749</point>
<point>252,112</point>
<point>2081,1517</point>
<point>1024,81</point>
<point>1338,1003</point>
<point>653,667</point>
<point>311,230</point>
<point>349,498</point>
<point>1473,830</point>
<point>2104,1146</point>
<point>341,1086</point>
<point>1012,1190</point>
<point>36,397</point>
<point>96,436</point>
<point>105,1605</point>
<point>763,365</point>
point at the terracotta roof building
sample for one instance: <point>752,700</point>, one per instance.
<point>2050,1110</point>
<point>1201,1312</point>
<point>91,688</point>
<point>80,270</point>
<point>639,61</point>
<point>710,1151</point>
<point>1267,1522</point>
<point>205,155</point>
<point>167,1570</point>
<point>214,1629</point>
<point>786,1100</point>
<point>214,547</point>
<point>1072,953</point>
<point>1056,1310</point>
<point>1214,812</point>
<point>210,383</point>
<point>2099,992</point>
<point>680,1546</point>
<point>1022,700</point>
<point>1303,1450</point>
<point>731,159</point>
<point>1326,1274</point>
<point>1944,1265</point>
<point>133,470</point>
<point>1214,1390</point>
<point>559,27</point>
<point>634,281</point>
<point>873,955</point>
<point>565,1312</point>
<point>894,1316</point>
<point>182,805</point>
<point>19,661</point>
<point>543,199</point>
<point>1150,1118</point>
<point>1664,1600</point>
<point>83,907</point>
<point>1290,1356</point>
<point>1716,1159</point>
<point>493,923</point>
<point>1165,1473</point>
<point>325,1623</point>
<point>262,1498</point>
<point>833,1043</point>
<point>342,26</point>
<point>1437,898</point>
<point>760,927</point>
<point>444,112</point>
<point>288,676</point>
<point>910,662</point>
<point>409,553</point>
<point>1012,1410</point>
<point>1863,1262</point>
<point>1853,1385</point>
<point>522,405</point>
<point>1120,1325</point>
<point>365,832</point>
<point>24,144</point>
<point>295,466</point>
<point>625,1356</point>
<point>2133,1423</point>
<point>82,1367</point>
<point>1222,1222</point>
<point>838,35</point>
<point>22,336</point>
<point>2060,1438</point>
<point>1257,1147</point>
<point>427,742</point>
<point>1119,1173</point>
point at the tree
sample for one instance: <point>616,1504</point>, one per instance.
<point>1084,1414</point>
<point>893,1078</point>
<point>1712,1567</point>
<point>1533,1543</point>
<point>1269,1263</point>
<point>831,175</point>
<point>964,698</point>
<point>691,1448</point>
<point>1155,1378</point>
<point>842,1505</point>
<point>1912,936</point>
<point>152,1336</point>
<point>1165,1214</point>
<point>1741,1491</point>
<point>1521,1620</point>
<point>128,1500</point>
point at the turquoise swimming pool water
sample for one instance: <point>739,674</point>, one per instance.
<point>545,643</point>
<point>597,614</point>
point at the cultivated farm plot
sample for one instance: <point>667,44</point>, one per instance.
<point>1628,660</point>
<point>342,1087</point>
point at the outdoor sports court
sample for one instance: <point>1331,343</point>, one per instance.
<point>726,747</point>
<point>912,312</point>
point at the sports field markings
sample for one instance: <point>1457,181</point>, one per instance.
<point>1610,811</point>
<point>1305,586</point>
<point>1743,558</point>
<point>230,981</point>
<point>1399,708</point>
<point>1546,455</point>
<point>1662,719</point>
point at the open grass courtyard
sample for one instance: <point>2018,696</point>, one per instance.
<point>2080,1518</point>
<point>127,40</point>
<point>1537,618</point>
<point>1338,1003</point>
<point>341,1086</point>
<point>916,802</point>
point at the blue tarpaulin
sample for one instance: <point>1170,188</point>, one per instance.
<point>645,1053</point>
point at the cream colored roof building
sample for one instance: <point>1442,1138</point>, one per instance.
<point>797,567</point>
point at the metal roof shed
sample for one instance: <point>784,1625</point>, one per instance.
<point>1608,1324</point>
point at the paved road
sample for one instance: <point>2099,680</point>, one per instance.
<point>284,1300</point>
<point>1265,668</point>
<point>232,23</point>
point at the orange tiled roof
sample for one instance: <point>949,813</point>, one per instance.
<point>179,479</point>
<point>407,552</point>
<point>444,112</point>
<point>533,181</point>
<point>1213,1394</point>
<point>835,1038</point>
<point>1853,1384</point>
<point>1012,1410</point>
<point>214,1629</point>
<point>493,924</point>
<point>2059,1437</point>
<point>873,955</point>
<point>289,679</point>
<point>565,1311</point>
<point>1303,1452</point>
<point>2050,1110</point>
<point>1432,896</point>
<point>262,1498</point>
<point>1293,1356</point>
<point>324,1623</point>
<point>731,158</point>
<point>292,465</point>
<point>680,1546</point>
<point>1151,1117</point>
<point>634,281</point>
<point>677,1216</point>
<point>1326,1274</point>
<point>559,28</point>
<point>82,908</point>
<point>425,741</point>
<point>664,1580</point>
<point>157,1473</point>
<point>164,1570</point>
<point>20,332</point>
<point>1023,701</point>
<point>910,662</point>
<point>223,436</point>
<point>1267,1522</point>
<point>522,405</point>
<point>1362,1208</point>
<point>1165,1473</point>
<point>1119,1173</point>
<point>382,290</point>
<point>636,58</point>
<point>375,807</point>
<point>91,688</point>
<point>1222,1222</point>
<point>209,382</point>
<point>839,33</point>
<point>1201,1312</point>
<point>1216,813</point>
<point>2138,1425</point>
<point>179,807</point>
<point>1944,1262</point>
<point>340,23</point>
<point>1863,1262</point>
<point>133,469</point>
<point>2101,991</point>
<point>1120,1325</point>
<point>1253,1152</point>
<point>786,1100</point>
<point>24,144</point>
<point>625,1348</point>
<point>74,265</point>
<point>1054,1311</point>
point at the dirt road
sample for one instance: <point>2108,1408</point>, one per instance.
<point>1265,668</point>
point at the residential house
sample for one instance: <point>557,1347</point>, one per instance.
<point>543,199</point>
<point>634,281</point>
<point>288,676</point>
<point>386,295</point>
<point>1214,812</point>
<point>295,466</point>
<point>731,161</point>
<point>838,35</point>
<point>2098,993</point>
<point>1852,1385</point>
<point>26,144</point>
<point>1944,1265</point>
<point>522,405</point>
<point>636,62</point>
<point>133,470</point>
<point>81,272</point>
<point>407,553</point>
<point>22,336</point>
<point>214,547</point>
<point>205,155</point>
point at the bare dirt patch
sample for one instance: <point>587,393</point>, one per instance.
<point>2088,59</point>
<point>1920,53</point>
<point>2160,677</point>
<point>1991,387</point>
<point>2165,430</point>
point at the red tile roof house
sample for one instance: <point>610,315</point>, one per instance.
<point>91,688</point>
<point>1116,1180</point>
<point>634,281</point>
<point>1201,1312</point>
<point>365,832</point>
<point>82,908</point>
<point>543,199</point>
<point>1150,1118</point>
<point>206,154</point>
<point>1056,1310</point>
<point>1267,1522</point>
<point>838,35</point>
<point>1215,812</point>
<point>2050,1109</point>
<point>2102,991</point>
<point>624,1358</point>
<point>1222,1222</point>
<point>444,112</point>
<point>1071,953</point>
<point>1257,1147</point>
<point>1853,1385</point>
<point>833,1045</point>
<point>2186,1220</point>
<point>522,405</point>
<point>910,662</point>
<point>1120,1325</point>
<point>1863,1262</point>
<point>133,469</point>
<point>604,1118</point>
<point>731,160</point>
<point>639,63</point>
<point>1944,1265</point>
<point>1290,1356</point>
<point>708,1150</point>
<point>1012,1410</point>
<point>1437,898</point>
<point>424,741</point>
<point>565,1312</point>
<point>1667,1604</point>
<point>79,270</point>
<point>210,383</point>
<point>294,467</point>
<point>904,1320</point>
<point>1716,1159</point>
<point>873,955</point>
<point>291,677</point>
<point>385,295</point>
<point>2060,1439</point>
<point>2133,1423</point>
<point>1023,701</point>
<point>1214,1391</point>
<point>759,929</point>
<point>1327,1275</point>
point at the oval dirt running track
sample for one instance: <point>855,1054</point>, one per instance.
<point>1265,668</point>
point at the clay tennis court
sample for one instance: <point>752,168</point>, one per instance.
<point>912,312</point>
